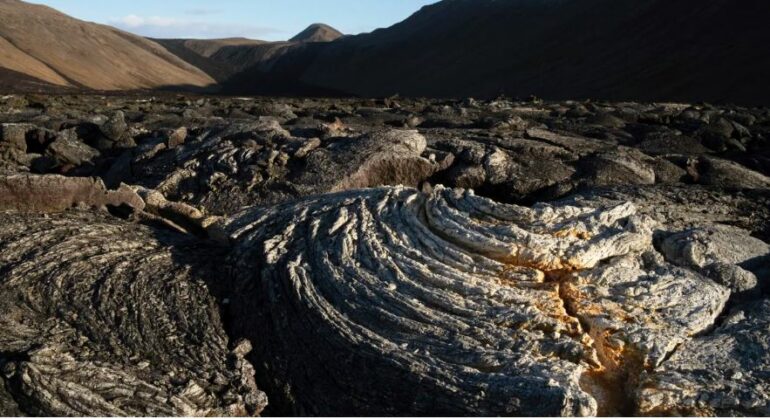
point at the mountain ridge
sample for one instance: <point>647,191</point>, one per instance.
<point>224,58</point>
<point>648,50</point>
<point>643,50</point>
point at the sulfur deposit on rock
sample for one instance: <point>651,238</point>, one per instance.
<point>101,317</point>
<point>445,303</point>
<point>638,311</point>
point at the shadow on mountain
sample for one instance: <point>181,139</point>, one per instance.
<point>650,50</point>
<point>282,77</point>
<point>16,82</point>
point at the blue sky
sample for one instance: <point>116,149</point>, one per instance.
<point>259,19</point>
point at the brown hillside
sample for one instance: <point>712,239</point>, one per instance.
<point>42,43</point>
<point>209,47</point>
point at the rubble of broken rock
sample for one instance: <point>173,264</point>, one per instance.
<point>183,255</point>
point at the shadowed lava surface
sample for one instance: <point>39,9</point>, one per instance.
<point>177,255</point>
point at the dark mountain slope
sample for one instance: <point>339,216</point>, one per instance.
<point>613,49</point>
<point>199,52</point>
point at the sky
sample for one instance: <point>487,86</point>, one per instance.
<point>270,20</point>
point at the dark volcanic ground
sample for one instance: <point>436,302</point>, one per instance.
<point>187,230</point>
<point>223,154</point>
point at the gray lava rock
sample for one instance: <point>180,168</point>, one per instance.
<point>720,252</point>
<point>107,318</point>
<point>68,150</point>
<point>469,177</point>
<point>382,301</point>
<point>176,137</point>
<point>736,278</point>
<point>115,128</point>
<point>723,373</point>
<point>624,167</point>
<point>607,120</point>
<point>13,148</point>
<point>391,157</point>
<point>13,136</point>
<point>54,193</point>
<point>714,244</point>
<point>448,303</point>
<point>727,174</point>
<point>668,142</point>
<point>667,172</point>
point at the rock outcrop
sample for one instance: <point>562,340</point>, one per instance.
<point>54,193</point>
<point>226,169</point>
<point>453,304</point>
<point>723,373</point>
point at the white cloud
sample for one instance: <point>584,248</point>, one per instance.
<point>167,27</point>
<point>134,21</point>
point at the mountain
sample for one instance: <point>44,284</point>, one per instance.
<point>209,47</point>
<point>644,50</point>
<point>39,44</point>
<point>317,32</point>
<point>201,53</point>
<point>223,58</point>
<point>675,50</point>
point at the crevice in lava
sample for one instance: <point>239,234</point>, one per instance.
<point>611,381</point>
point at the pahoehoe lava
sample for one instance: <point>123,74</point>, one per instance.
<point>441,302</point>
<point>108,318</point>
<point>223,256</point>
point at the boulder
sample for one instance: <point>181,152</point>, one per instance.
<point>115,128</point>
<point>54,193</point>
<point>726,254</point>
<point>390,157</point>
<point>68,150</point>
<point>176,137</point>
<point>619,167</point>
<point>704,246</point>
<point>727,174</point>
<point>13,136</point>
